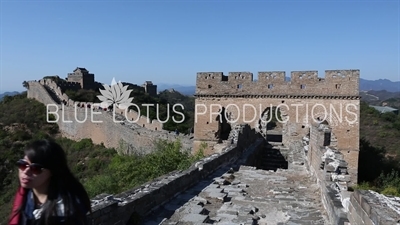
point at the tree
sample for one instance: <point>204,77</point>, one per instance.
<point>370,155</point>
<point>25,84</point>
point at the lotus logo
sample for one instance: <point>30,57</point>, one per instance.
<point>115,94</point>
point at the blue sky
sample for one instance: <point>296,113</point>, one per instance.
<point>170,41</point>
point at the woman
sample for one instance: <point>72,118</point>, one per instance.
<point>49,194</point>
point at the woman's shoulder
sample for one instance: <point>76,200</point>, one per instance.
<point>75,211</point>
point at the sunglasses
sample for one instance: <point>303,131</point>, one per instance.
<point>34,167</point>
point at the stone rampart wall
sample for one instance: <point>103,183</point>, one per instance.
<point>138,118</point>
<point>38,92</point>
<point>371,208</point>
<point>127,207</point>
<point>133,116</point>
<point>78,120</point>
<point>330,170</point>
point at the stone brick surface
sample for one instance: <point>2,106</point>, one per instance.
<point>285,196</point>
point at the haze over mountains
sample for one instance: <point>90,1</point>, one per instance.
<point>379,85</point>
<point>8,93</point>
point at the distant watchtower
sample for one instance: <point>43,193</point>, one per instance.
<point>82,76</point>
<point>150,88</point>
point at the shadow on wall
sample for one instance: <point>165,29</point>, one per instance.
<point>274,137</point>
<point>224,128</point>
<point>269,120</point>
<point>268,158</point>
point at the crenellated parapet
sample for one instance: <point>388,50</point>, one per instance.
<point>69,85</point>
<point>336,82</point>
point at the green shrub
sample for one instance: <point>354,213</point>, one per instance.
<point>382,134</point>
<point>83,144</point>
<point>94,164</point>
<point>389,116</point>
<point>129,171</point>
<point>390,190</point>
<point>391,179</point>
<point>363,186</point>
<point>101,184</point>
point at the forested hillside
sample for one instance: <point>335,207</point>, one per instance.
<point>379,151</point>
<point>100,169</point>
<point>382,130</point>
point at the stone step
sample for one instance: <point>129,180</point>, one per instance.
<point>270,168</point>
<point>273,166</point>
<point>269,161</point>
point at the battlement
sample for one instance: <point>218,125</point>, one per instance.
<point>335,82</point>
<point>69,84</point>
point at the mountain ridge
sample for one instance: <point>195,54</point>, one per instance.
<point>379,85</point>
<point>8,93</point>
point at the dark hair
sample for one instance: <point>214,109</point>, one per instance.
<point>63,184</point>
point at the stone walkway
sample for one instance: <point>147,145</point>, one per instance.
<point>246,196</point>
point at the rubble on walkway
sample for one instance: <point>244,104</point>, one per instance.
<point>246,196</point>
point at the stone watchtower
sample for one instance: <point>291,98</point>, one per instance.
<point>150,88</point>
<point>302,101</point>
<point>82,76</point>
